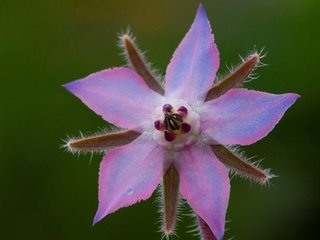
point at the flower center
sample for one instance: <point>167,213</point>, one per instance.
<point>176,125</point>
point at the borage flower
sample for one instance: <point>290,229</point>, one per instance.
<point>181,134</point>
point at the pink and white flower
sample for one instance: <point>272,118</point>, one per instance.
<point>180,131</point>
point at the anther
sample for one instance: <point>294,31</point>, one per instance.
<point>166,108</point>
<point>183,111</point>
<point>186,127</point>
<point>157,125</point>
<point>169,137</point>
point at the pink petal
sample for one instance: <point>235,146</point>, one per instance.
<point>193,67</point>
<point>129,174</point>
<point>243,116</point>
<point>120,95</point>
<point>205,184</point>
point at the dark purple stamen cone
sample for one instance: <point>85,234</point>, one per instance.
<point>186,127</point>
<point>169,137</point>
<point>166,108</point>
<point>183,110</point>
<point>157,125</point>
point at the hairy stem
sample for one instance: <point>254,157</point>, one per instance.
<point>235,78</point>
<point>137,63</point>
<point>170,199</point>
<point>102,142</point>
<point>234,162</point>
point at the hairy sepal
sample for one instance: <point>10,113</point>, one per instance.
<point>235,161</point>
<point>100,141</point>
<point>138,63</point>
<point>235,78</point>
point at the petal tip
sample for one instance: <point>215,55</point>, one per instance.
<point>97,218</point>
<point>291,98</point>
<point>201,8</point>
<point>295,96</point>
<point>66,85</point>
<point>201,12</point>
<point>69,86</point>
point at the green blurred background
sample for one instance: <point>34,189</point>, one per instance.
<point>47,193</point>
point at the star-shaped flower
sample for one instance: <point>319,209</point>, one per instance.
<point>181,134</point>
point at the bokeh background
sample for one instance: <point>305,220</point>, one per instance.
<point>47,193</point>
